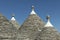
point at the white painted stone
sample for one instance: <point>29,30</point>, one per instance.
<point>13,19</point>
<point>33,12</point>
<point>48,24</point>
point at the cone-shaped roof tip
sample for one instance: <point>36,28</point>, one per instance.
<point>48,24</point>
<point>48,17</point>
<point>32,7</point>
<point>33,12</point>
<point>13,17</point>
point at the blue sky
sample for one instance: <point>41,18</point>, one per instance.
<point>22,8</point>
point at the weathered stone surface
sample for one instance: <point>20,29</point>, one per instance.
<point>30,26</point>
<point>32,29</point>
<point>48,33</point>
<point>7,30</point>
<point>15,24</point>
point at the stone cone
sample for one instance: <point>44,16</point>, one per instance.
<point>30,26</point>
<point>15,23</point>
<point>7,30</point>
<point>48,33</point>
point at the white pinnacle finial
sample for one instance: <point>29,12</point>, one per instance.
<point>48,24</point>
<point>33,12</point>
<point>32,7</point>
<point>13,19</point>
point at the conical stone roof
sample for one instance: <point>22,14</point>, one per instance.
<point>7,30</point>
<point>14,22</point>
<point>31,25</point>
<point>48,33</point>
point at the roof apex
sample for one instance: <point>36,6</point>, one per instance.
<point>13,17</point>
<point>48,24</point>
<point>33,12</point>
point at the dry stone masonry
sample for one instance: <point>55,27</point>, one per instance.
<point>33,28</point>
<point>14,22</point>
<point>7,30</point>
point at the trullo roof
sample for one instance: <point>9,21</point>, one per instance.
<point>7,30</point>
<point>48,33</point>
<point>31,25</point>
<point>14,22</point>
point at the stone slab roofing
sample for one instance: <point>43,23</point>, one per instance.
<point>7,30</point>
